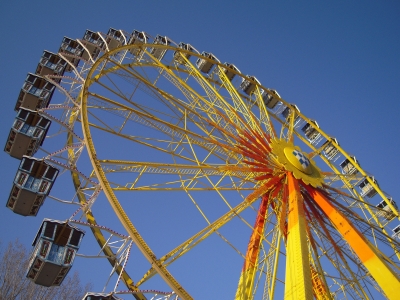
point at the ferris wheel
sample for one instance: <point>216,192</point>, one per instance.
<point>195,159</point>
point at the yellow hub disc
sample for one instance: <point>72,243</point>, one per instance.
<point>298,159</point>
<point>297,162</point>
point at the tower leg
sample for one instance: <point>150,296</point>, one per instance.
<point>366,252</point>
<point>298,284</point>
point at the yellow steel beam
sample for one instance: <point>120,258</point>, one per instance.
<point>97,232</point>
<point>298,284</point>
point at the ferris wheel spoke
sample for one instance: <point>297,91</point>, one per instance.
<point>238,103</point>
<point>189,244</point>
<point>332,249</point>
<point>291,120</point>
<point>210,106</point>
<point>169,129</point>
<point>185,177</point>
<point>214,169</point>
<point>195,183</point>
<point>272,260</point>
<point>264,114</point>
<point>194,111</point>
<point>100,238</point>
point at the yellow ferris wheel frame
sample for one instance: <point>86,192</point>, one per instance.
<point>388,280</point>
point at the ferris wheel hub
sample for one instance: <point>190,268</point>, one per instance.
<point>297,162</point>
<point>298,159</point>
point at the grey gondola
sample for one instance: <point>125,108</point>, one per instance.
<point>329,148</point>
<point>36,93</point>
<point>51,64</point>
<point>367,189</point>
<point>27,133</point>
<point>31,185</point>
<point>249,84</point>
<point>159,52</point>
<point>137,38</point>
<point>310,130</point>
<point>115,38</point>
<point>178,54</point>
<point>93,43</point>
<point>206,62</point>
<point>56,244</point>
<point>72,51</point>
<point>288,110</point>
<point>270,99</point>
<point>228,71</point>
<point>100,296</point>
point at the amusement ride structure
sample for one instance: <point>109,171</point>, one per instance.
<point>159,129</point>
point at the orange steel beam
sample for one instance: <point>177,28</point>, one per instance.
<point>246,281</point>
<point>298,283</point>
<point>366,252</point>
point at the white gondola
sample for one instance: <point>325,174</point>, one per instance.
<point>348,168</point>
<point>386,212</point>
<point>396,232</point>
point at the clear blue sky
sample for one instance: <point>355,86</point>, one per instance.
<point>337,61</point>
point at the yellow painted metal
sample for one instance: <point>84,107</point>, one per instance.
<point>98,235</point>
<point>238,102</point>
<point>292,158</point>
<point>216,100</point>
<point>209,105</point>
<point>119,211</point>
<point>264,115</point>
<point>298,283</point>
<point>347,156</point>
<point>367,253</point>
<point>201,235</point>
<point>281,149</point>
<point>271,291</point>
